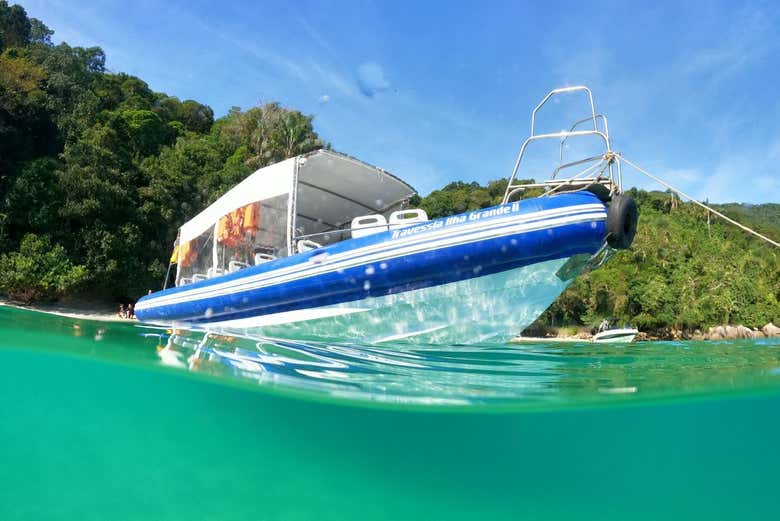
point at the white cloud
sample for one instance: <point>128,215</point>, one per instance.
<point>751,38</point>
<point>333,80</point>
<point>317,37</point>
<point>682,175</point>
<point>745,177</point>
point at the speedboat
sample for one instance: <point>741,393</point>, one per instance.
<point>616,335</point>
<point>325,246</point>
<point>607,334</point>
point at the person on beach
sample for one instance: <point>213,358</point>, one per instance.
<point>130,310</point>
<point>122,311</point>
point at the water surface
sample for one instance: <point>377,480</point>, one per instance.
<point>121,421</point>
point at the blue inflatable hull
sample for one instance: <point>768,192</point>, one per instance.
<point>352,287</point>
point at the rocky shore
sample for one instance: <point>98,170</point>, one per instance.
<point>96,310</point>
<point>732,332</point>
<point>724,332</point>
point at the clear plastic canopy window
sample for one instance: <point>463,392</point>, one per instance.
<point>263,216</point>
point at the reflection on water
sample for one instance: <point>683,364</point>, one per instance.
<point>503,374</point>
<point>479,375</point>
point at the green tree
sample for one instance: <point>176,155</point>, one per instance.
<point>38,271</point>
<point>196,116</point>
<point>15,27</point>
<point>270,134</point>
<point>34,199</point>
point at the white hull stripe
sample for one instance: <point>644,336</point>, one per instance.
<point>393,244</point>
<point>307,269</point>
<point>331,264</point>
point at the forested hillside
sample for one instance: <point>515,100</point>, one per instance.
<point>100,170</point>
<point>680,273</point>
<point>97,172</point>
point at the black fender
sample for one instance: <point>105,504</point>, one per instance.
<point>622,218</point>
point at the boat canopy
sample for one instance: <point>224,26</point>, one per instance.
<point>264,184</point>
<point>311,198</point>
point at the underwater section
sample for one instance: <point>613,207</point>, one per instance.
<point>116,421</point>
<point>492,307</point>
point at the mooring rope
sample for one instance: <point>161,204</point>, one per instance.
<point>680,192</point>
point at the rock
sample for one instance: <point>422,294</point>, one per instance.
<point>730,332</point>
<point>771,330</point>
<point>716,333</point>
<point>740,331</point>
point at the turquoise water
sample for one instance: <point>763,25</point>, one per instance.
<point>118,421</point>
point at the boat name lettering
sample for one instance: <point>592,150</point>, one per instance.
<point>457,219</point>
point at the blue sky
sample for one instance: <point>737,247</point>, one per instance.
<point>442,91</point>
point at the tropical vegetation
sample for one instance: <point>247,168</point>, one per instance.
<point>685,270</point>
<point>97,172</point>
<point>105,169</point>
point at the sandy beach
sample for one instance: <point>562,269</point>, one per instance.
<point>85,311</point>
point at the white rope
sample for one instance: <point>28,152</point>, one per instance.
<point>680,192</point>
<point>577,176</point>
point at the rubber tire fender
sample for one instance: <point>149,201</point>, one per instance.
<point>622,218</point>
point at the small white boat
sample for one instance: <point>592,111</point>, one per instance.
<point>326,246</point>
<point>623,334</point>
<point>614,335</point>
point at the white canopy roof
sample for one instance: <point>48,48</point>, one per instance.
<point>265,183</point>
<point>332,189</point>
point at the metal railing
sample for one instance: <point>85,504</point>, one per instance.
<point>604,168</point>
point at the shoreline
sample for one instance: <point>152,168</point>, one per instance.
<point>85,312</point>
<point>102,312</point>
<point>721,332</point>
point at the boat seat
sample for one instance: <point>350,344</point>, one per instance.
<point>368,225</point>
<point>214,272</point>
<point>199,276</point>
<point>184,280</point>
<point>401,218</point>
<point>260,258</point>
<point>307,245</point>
<point>235,265</point>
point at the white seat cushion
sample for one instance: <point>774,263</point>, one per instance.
<point>401,218</point>
<point>368,225</point>
<point>307,245</point>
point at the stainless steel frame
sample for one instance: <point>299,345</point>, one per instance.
<point>607,164</point>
